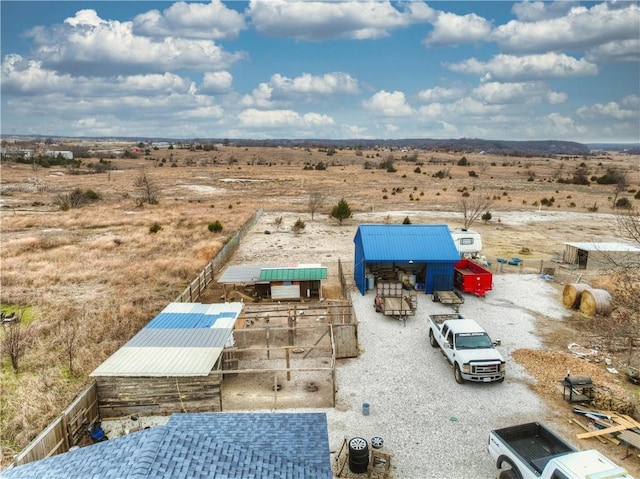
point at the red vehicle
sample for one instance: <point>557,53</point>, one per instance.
<point>470,277</point>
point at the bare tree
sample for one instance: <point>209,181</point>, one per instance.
<point>148,189</point>
<point>69,334</point>
<point>13,340</point>
<point>628,225</point>
<point>624,271</point>
<point>474,206</point>
<point>621,183</point>
<point>316,200</point>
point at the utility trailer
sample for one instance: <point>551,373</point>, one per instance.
<point>470,277</point>
<point>450,297</point>
<point>393,299</point>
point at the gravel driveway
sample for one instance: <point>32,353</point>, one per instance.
<point>432,426</point>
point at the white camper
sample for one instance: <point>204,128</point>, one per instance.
<point>468,243</point>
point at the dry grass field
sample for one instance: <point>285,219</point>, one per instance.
<point>86,279</point>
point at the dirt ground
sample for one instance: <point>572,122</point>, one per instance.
<point>101,261</point>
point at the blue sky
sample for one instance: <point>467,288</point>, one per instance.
<point>335,69</point>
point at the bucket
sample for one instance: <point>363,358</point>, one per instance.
<point>370,281</point>
<point>365,409</point>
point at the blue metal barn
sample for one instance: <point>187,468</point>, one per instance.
<point>427,250</point>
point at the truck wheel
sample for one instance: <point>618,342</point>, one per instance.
<point>457,374</point>
<point>432,339</point>
<point>509,474</point>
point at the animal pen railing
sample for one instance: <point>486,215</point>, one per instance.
<point>200,283</point>
<point>284,356</point>
<point>66,431</point>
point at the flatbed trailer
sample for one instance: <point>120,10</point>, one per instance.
<point>470,277</point>
<point>450,297</point>
<point>392,299</point>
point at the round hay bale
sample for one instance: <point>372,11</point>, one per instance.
<point>571,294</point>
<point>595,301</point>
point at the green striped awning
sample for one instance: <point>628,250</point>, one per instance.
<point>293,274</point>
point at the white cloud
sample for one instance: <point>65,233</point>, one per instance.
<point>451,29</point>
<point>321,20</point>
<point>205,112</point>
<point>388,104</point>
<point>439,93</point>
<point>533,11</point>
<point>22,76</point>
<point>628,110</point>
<point>87,44</point>
<point>282,118</point>
<point>581,28</point>
<point>327,84</point>
<point>216,82</point>
<point>211,20</point>
<point>521,92</point>
<point>529,67</point>
<point>260,97</point>
<point>616,52</point>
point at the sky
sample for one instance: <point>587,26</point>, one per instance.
<point>283,69</point>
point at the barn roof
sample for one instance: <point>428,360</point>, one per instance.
<point>233,445</point>
<point>293,274</point>
<point>610,247</point>
<point>407,242</point>
<point>185,339</point>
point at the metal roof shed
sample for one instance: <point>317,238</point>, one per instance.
<point>601,255</point>
<point>175,353</point>
<point>429,246</point>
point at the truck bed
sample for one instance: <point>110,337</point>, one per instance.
<point>533,443</point>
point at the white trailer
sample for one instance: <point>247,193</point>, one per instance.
<point>468,243</point>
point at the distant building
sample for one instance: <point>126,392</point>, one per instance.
<point>67,155</point>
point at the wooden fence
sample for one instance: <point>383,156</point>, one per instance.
<point>65,431</point>
<point>197,286</point>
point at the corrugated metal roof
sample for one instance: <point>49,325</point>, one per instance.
<point>293,274</point>
<point>179,338</point>
<point>243,274</point>
<point>185,339</point>
<point>407,243</point>
<point>167,361</point>
<point>606,247</point>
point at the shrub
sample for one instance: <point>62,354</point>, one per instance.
<point>155,227</point>
<point>637,196</point>
<point>463,161</point>
<point>417,170</point>
<point>473,174</point>
<point>215,227</point>
<point>299,226</point>
<point>486,217</point>
<point>406,221</point>
<point>623,203</point>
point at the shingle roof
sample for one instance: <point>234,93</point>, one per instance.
<point>211,445</point>
<point>185,339</point>
<point>406,242</point>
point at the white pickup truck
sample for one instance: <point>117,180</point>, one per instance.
<point>532,451</point>
<point>467,347</point>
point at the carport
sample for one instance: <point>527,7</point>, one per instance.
<point>424,253</point>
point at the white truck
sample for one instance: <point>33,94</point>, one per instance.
<point>468,348</point>
<point>532,451</point>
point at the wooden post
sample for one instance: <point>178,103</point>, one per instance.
<point>267,333</point>
<point>288,364</point>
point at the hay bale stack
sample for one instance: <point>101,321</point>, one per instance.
<point>571,294</point>
<point>595,301</point>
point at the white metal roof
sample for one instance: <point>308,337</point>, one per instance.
<point>611,246</point>
<point>185,339</point>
